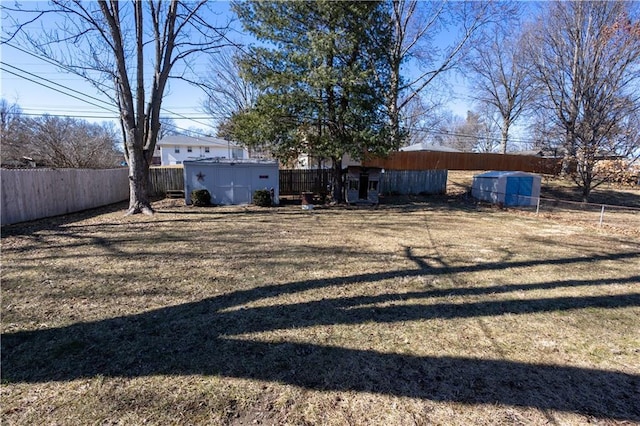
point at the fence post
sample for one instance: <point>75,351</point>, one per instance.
<point>538,206</point>
<point>601,215</point>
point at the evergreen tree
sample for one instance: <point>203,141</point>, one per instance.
<point>321,74</point>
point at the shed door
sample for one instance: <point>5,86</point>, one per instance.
<point>363,193</point>
<point>242,185</point>
<point>233,185</point>
<point>518,191</point>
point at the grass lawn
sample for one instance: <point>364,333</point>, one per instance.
<point>425,312</point>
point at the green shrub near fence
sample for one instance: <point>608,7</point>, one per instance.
<point>262,198</point>
<point>200,197</point>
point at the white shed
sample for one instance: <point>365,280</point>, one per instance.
<point>507,188</point>
<point>231,181</point>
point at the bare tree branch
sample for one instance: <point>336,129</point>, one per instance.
<point>106,43</point>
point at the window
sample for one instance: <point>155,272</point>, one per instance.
<point>206,149</point>
<point>176,150</point>
<point>373,185</point>
<point>236,153</point>
<point>178,162</point>
<point>189,149</point>
<point>354,185</point>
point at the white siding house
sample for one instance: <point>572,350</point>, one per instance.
<point>176,149</point>
<point>308,162</point>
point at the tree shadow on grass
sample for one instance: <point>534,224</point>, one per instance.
<point>600,195</point>
<point>208,337</point>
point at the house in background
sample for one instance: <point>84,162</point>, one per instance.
<point>175,149</point>
<point>425,146</point>
<point>309,162</point>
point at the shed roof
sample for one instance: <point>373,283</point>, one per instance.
<point>218,160</point>
<point>496,174</point>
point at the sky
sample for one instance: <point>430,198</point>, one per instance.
<point>39,87</point>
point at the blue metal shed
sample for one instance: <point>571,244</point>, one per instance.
<point>507,188</point>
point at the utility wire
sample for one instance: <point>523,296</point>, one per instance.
<point>68,69</point>
<point>54,89</point>
<point>31,114</point>
<point>178,115</point>
<point>59,85</point>
<point>115,117</point>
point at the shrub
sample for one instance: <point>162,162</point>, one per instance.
<point>200,197</point>
<point>262,198</point>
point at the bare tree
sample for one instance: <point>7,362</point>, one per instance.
<point>545,134</point>
<point>128,51</point>
<point>470,135</point>
<point>586,57</point>
<point>56,141</point>
<point>228,93</point>
<point>71,143</point>
<point>420,117</point>
<point>168,127</point>
<point>501,80</point>
<point>9,115</point>
<point>415,26</point>
<point>443,133</point>
<point>12,133</point>
<point>488,130</point>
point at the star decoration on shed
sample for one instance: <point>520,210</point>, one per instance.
<point>200,176</point>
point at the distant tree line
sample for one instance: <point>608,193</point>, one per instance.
<point>59,142</point>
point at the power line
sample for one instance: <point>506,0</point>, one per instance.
<point>178,116</point>
<point>30,114</point>
<point>87,114</point>
<point>60,85</point>
<point>54,89</point>
<point>173,126</point>
<point>68,69</point>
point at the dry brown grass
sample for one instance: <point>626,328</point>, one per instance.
<point>426,312</point>
<point>561,203</point>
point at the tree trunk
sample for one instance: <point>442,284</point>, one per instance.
<point>505,135</point>
<point>586,191</point>
<point>338,190</point>
<point>138,183</point>
<point>569,159</point>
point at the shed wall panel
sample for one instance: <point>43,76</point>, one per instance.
<point>230,183</point>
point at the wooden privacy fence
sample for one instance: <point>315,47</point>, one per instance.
<point>413,182</point>
<point>294,182</point>
<point>163,179</point>
<point>430,160</point>
<point>29,194</point>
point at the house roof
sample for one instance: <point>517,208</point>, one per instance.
<point>208,141</point>
<point>424,146</point>
<point>534,153</point>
